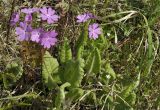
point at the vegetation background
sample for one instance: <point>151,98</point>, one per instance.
<point>121,73</point>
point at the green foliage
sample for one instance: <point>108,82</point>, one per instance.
<point>155,12</point>
<point>72,72</point>
<point>12,74</point>
<point>117,71</point>
<point>65,52</point>
<point>82,40</point>
<point>14,100</point>
<point>50,70</point>
<point>93,63</point>
<point>130,87</point>
<point>150,8</point>
<point>74,94</point>
<point>131,99</point>
<point>110,70</point>
<point>61,96</point>
<point>127,97</point>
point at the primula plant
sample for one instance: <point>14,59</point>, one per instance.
<point>40,40</point>
<point>79,54</point>
<point>36,41</point>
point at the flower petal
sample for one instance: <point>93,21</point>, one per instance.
<point>44,17</point>
<point>43,10</point>
<point>51,11</point>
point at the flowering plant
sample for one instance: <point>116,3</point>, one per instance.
<point>94,29</point>
<point>26,32</point>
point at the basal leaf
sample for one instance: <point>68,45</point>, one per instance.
<point>72,72</point>
<point>49,70</point>
<point>93,64</point>
<point>82,40</point>
<point>65,52</point>
<point>61,96</point>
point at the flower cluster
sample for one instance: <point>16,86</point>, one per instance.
<point>94,29</point>
<point>26,32</point>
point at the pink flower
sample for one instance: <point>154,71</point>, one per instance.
<point>84,17</point>
<point>14,19</point>
<point>24,31</point>
<point>49,14</point>
<point>28,18</point>
<point>36,34</point>
<point>94,31</point>
<point>29,10</point>
<point>48,39</point>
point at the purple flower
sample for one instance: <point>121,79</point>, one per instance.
<point>29,10</point>
<point>14,19</point>
<point>24,31</point>
<point>36,34</point>
<point>94,31</point>
<point>48,39</point>
<point>28,18</point>
<point>49,14</point>
<point>84,17</point>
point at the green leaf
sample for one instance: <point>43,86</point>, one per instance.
<point>131,99</point>
<point>72,72</point>
<point>127,97</point>
<point>130,87</point>
<point>74,94</point>
<point>82,40</point>
<point>110,70</point>
<point>65,52</point>
<point>61,96</point>
<point>93,64</point>
<point>150,56</point>
<point>49,70</point>
<point>8,79</point>
<point>12,74</point>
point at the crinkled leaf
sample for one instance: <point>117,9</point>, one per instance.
<point>12,74</point>
<point>65,52</point>
<point>72,72</point>
<point>93,64</point>
<point>49,70</point>
<point>82,40</point>
<point>61,96</point>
